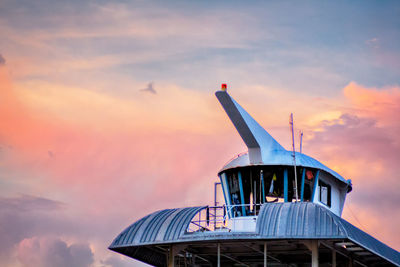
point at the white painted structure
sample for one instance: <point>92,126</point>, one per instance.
<point>266,171</point>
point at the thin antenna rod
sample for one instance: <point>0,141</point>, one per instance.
<point>294,156</point>
<point>301,141</point>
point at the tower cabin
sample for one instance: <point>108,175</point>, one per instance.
<point>268,218</point>
<point>266,173</point>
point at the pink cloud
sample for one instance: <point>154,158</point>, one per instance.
<point>364,146</point>
<point>109,176</point>
<point>49,252</point>
<point>112,160</point>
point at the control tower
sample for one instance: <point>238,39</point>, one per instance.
<point>282,208</point>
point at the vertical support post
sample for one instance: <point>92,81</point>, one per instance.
<point>303,177</point>
<point>171,258</point>
<point>285,185</point>
<point>219,255</point>
<point>333,258</point>
<point>265,254</point>
<point>314,255</point>
<point>241,194</point>
<point>215,193</point>
<point>315,186</point>
<point>227,195</point>
<point>262,186</point>
<point>351,264</point>
<point>215,204</point>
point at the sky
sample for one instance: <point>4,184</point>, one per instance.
<point>108,113</point>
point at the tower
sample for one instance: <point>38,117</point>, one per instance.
<point>261,223</point>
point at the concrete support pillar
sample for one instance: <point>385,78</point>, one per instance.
<point>314,255</point>
<point>171,256</point>
<point>265,254</point>
<point>219,255</point>
<point>333,258</point>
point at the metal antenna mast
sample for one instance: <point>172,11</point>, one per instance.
<point>301,141</point>
<point>294,157</point>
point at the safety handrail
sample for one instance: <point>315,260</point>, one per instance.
<point>214,218</point>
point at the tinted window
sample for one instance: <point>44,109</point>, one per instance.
<point>324,193</point>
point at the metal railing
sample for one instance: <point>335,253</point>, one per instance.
<point>215,218</point>
<point>209,219</point>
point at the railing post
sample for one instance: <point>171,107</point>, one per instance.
<point>215,217</point>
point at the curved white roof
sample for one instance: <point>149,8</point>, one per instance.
<point>284,158</point>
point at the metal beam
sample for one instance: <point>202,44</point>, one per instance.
<point>235,260</point>
<point>194,255</point>
<point>341,244</point>
<point>341,250</point>
<point>262,252</point>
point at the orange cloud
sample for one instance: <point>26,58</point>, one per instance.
<point>109,156</point>
<point>363,144</point>
<point>96,145</point>
<point>382,104</point>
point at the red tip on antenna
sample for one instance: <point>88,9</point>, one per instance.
<point>223,87</point>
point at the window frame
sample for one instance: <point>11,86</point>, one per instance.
<point>329,193</point>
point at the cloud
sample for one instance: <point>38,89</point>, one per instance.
<point>112,150</point>
<point>359,138</point>
<point>382,104</point>
<point>363,144</point>
<point>25,203</point>
<point>25,216</point>
<point>109,151</point>
<point>50,252</point>
<point>149,89</point>
<point>2,60</point>
<point>117,261</point>
<point>373,42</point>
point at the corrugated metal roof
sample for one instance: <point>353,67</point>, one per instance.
<point>298,220</point>
<point>370,243</point>
<point>302,220</point>
<point>160,226</point>
<point>306,220</point>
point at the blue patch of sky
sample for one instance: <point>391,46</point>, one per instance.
<point>328,36</point>
<point>314,46</point>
